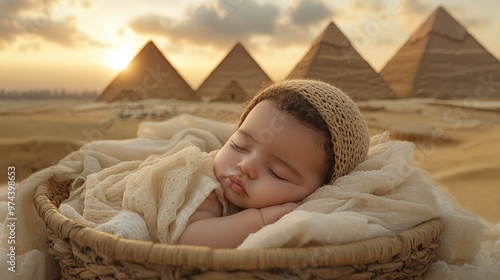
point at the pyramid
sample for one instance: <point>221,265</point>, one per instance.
<point>238,65</point>
<point>333,59</point>
<point>441,60</point>
<point>149,75</point>
<point>232,92</point>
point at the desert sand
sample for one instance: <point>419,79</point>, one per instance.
<point>456,141</point>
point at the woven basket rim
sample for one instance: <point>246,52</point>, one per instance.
<point>374,250</point>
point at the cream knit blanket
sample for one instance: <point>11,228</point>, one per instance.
<point>149,200</point>
<point>383,194</point>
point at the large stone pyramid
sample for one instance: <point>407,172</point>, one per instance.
<point>333,59</point>
<point>149,75</point>
<point>237,66</point>
<point>442,60</point>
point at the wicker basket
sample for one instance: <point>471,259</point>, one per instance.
<point>84,253</point>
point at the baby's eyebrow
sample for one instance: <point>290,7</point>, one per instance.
<point>246,134</point>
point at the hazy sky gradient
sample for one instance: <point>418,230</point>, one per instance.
<point>75,45</point>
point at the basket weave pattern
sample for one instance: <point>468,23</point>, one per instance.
<point>85,253</point>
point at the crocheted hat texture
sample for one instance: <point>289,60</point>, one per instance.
<point>348,130</point>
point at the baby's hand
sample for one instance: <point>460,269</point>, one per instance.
<point>273,213</point>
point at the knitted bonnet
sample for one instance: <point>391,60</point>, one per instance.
<point>349,134</point>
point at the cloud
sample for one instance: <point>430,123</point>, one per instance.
<point>66,33</point>
<point>25,22</point>
<point>212,24</point>
<point>365,6</point>
<point>302,22</point>
<point>416,7</point>
<point>222,23</point>
<point>357,10</point>
<point>388,14</point>
<point>309,12</point>
<point>152,24</point>
<point>15,6</point>
<point>413,13</point>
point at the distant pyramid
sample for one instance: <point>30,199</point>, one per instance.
<point>332,59</point>
<point>441,60</point>
<point>149,75</point>
<point>239,66</point>
<point>232,92</point>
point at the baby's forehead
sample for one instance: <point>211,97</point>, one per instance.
<point>293,135</point>
<point>272,112</point>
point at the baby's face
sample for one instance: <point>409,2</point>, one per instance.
<point>271,159</point>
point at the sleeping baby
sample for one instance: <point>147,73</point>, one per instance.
<point>293,137</point>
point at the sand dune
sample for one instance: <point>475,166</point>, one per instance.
<point>32,154</point>
<point>474,187</point>
<point>456,142</point>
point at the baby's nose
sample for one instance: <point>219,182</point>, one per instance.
<point>247,167</point>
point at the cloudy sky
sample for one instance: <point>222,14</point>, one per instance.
<point>81,44</point>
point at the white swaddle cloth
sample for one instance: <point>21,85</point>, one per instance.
<point>148,200</point>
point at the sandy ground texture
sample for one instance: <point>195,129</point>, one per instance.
<point>457,142</point>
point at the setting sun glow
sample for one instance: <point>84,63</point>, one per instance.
<point>119,59</point>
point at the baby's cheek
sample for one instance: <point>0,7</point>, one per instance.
<point>224,162</point>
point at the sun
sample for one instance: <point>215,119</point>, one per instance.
<point>119,59</point>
